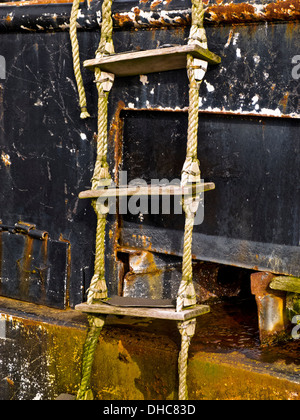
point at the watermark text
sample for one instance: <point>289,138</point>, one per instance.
<point>296,329</point>
<point>2,68</point>
<point>141,198</point>
<point>296,68</point>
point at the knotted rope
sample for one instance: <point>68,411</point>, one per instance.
<point>187,330</point>
<point>190,174</point>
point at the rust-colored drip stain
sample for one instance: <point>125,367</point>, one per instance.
<point>284,101</point>
<point>1,258</point>
<point>115,138</point>
<point>24,265</point>
<point>42,272</point>
<point>69,265</point>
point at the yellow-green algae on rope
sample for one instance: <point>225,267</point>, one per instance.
<point>98,288</point>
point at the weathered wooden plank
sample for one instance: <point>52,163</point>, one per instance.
<point>139,302</point>
<point>151,61</point>
<point>286,283</point>
<point>144,312</point>
<point>148,190</point>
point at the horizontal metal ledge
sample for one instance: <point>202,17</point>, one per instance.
<point>144,312</point>
<point>38,15</point>
<point>258,256</point>
<point>151,61</point>
<point>151,190</point>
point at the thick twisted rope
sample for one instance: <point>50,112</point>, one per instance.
<point>190,173</point>
<point>105,48</point>
<point>101,166</point>
<point>101,176</point>
<point>96,325</point>
<point>187,331</point>
<point>76,60</point>
<point>186,293</point>
<point>98,288</point>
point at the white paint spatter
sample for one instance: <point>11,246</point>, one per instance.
<point>256,59</point>
<point>209,87</point>
<point>238,53</point>
<point>235,38</point>
<point>255,99</point>
<point>38,103</point>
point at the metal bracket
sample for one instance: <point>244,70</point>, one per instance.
<point>25,229</point>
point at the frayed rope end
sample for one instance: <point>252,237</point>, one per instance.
<point>84,113</point>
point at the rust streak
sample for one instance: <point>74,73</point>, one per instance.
<point>284,101</point>
<point>1,258</point>
<point>69,260</point>
<point>24,266</point>
<point>115,138</point>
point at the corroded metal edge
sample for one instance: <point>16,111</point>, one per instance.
<point>40,15</point>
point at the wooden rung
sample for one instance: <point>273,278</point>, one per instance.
<point>144,312</point>
<point>151,61</point>
<point>150,190</point>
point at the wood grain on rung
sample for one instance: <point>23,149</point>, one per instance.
<point>150,190</point>
<point>151,61</point>
<point>156,313</point>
